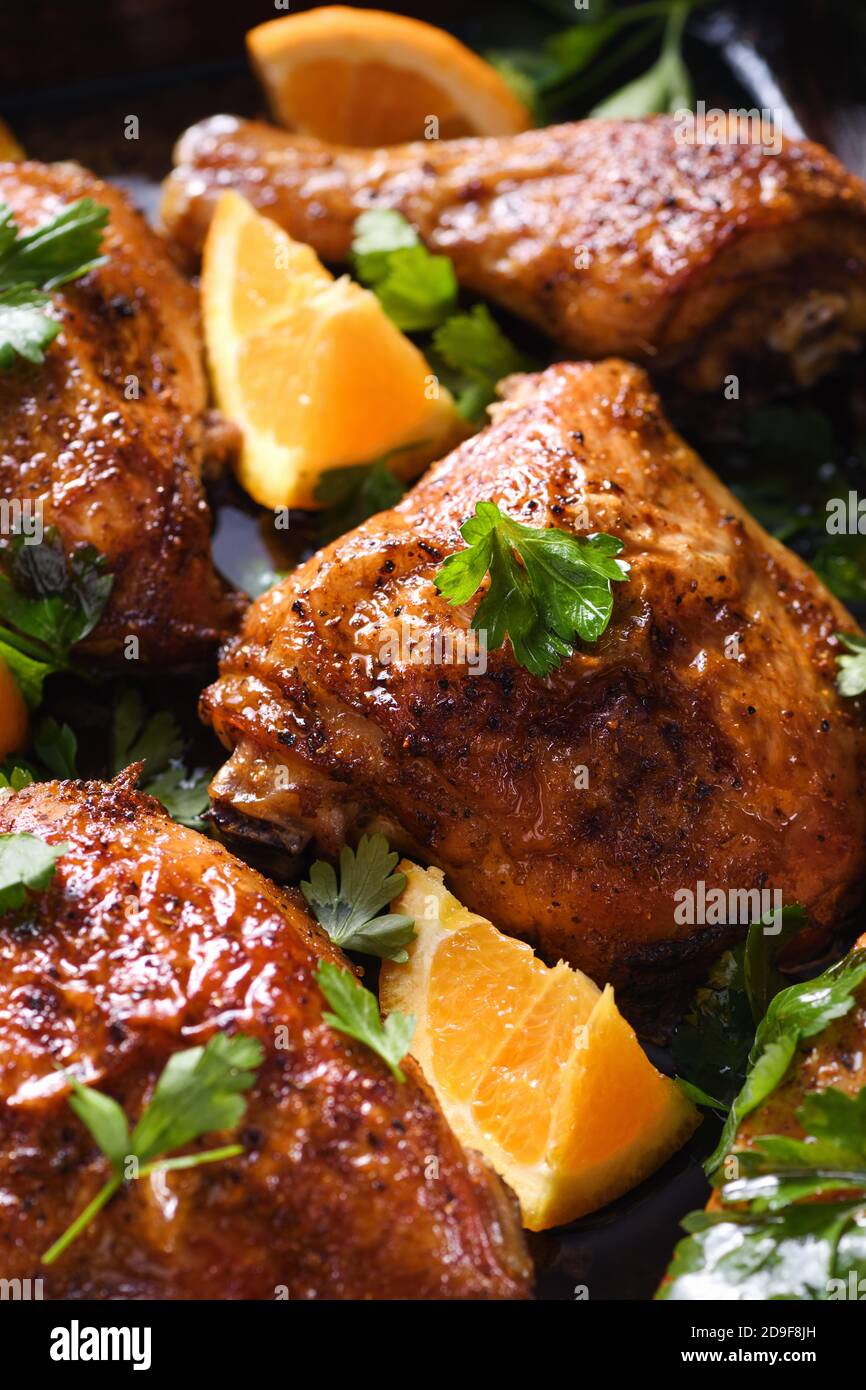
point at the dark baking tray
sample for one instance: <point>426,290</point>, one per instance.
<point>72,70</point>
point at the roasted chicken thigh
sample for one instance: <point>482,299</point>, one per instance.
<point>612,237</point>
<point>110,434</point>
<point>701,740</point>
<point>148,940</point>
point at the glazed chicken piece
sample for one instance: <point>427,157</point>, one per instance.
<point>110,433</point>
<point>149,939</point>
<point>609,236</point>
<point>701,738</point>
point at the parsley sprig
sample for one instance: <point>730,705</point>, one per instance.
<point>851,680</point>
<point>26,866</point>
<point>200,1091</point>
<point>48,602</point>
<point>156,740</point>
<point>784,1229</point>
<point>350,912</point>
<point>418,290</point>
<point>547,587</point>
<point>355,1012</point>
<point>32,263</point>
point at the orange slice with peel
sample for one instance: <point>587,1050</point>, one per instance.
<point>310,368</point>
<point>367,77</point>
<point>534,1066</point>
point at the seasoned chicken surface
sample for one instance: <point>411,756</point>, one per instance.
<point>110,433</point>
<point>700,740</point>
<point>148,940</point>
<point>609,236</point>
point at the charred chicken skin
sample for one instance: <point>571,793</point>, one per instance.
<point>700,740</point>
<point>149,939</point>
<point>612,237</point>
<point>110,434</point>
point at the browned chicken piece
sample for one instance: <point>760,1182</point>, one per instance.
<point>609,236</point>
<point>701,739</point>
<point>110,433</point>
<point>149,939</point>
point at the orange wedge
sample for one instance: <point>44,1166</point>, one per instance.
<point>14,721</point>
<point>534,1067</point>
<point>311,368</point>
<point>366,77</point>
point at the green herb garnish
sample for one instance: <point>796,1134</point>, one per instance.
<point>795,1014</point>
<point>468,350</point>
<point>350,913</point>
<point>547,587</point>
<point>351,495</point>
<point>156,740</point>
<point>48,602</point>
<point>356,1013</point>
<point>415,288</point>
<point>199,1091</point>
<point>34,262</point>
<point>26,866</point>
<point>761,1243</point>
<point>851,680</point>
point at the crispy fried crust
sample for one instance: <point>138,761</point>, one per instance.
<point>149,939</point>
<point>715,745</point>
<point>110,431</point>
<point>610,236</point>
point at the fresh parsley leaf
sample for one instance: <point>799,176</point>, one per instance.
<point>14,777</point>
<point>156,740</point>
<point>851,680</point>
<point>200,1091</point>
<point>351,495</point>
<point>760,1243</point>
<point>831,1158</point>
<point>349,913</point>
<point>56,746</point>
<point>415,288</point>
<point>547,587</point>
<point>60,250</point>
<point>183,794</point>
<point>356,1013</point>
<point>666,86</point>
<point>25,328</point>
<point>152,739</point>
<point>48,602</point>
<point>793,1254</point>
<point>26,866</point>
<point>710,1048</point>
<point>796,1013</point>
<point>474,348</point>
<point>29,674</point>
<point>761,975</point>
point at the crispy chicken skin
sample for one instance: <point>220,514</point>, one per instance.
<point>110,432</point>
<point>149,939</point>
<point>610,236</point>
<point>714,744</point>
